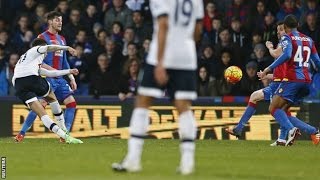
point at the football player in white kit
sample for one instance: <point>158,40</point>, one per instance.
<point>29,85</point>
<point>171,64</point>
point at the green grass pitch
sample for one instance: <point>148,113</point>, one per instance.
<point>49,159</point>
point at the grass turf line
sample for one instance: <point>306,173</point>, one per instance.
<point>49,159</point>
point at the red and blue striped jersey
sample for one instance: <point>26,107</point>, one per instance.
<point>279,72</point>
<point>58,59</point>
<point>298,52</point>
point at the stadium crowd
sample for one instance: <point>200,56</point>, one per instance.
<point>112,38</point>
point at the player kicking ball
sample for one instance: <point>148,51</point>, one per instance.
<point>29,85</point>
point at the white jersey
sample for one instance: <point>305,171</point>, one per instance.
<point>180,48</point>
<point>29,63</point>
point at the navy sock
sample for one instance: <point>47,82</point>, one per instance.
<point>302,125</point>
<point>28,122</point>
<point>69,115</point>
<point>250,110</point>
<point>282,118</point>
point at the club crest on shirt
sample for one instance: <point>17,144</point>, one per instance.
<point>280,90</point>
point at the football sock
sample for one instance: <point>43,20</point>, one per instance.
<point>187,130</point>
<point>302,125</point>
<point>138,129</point>
<point>58,114</point>
<point>250,110</point>
<point>282,118</point>
<point>28,122</point>
<point>283,134</point>
<point>69,114</point>
<point>53,126</point>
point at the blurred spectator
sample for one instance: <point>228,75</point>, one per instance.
<point>238,9</point>
<point>70,29</point>
<point>212,37</point>
<point>238,34</point>
<point>96,28</point>
<point>132,51</point>
<point>22,36</point>
<point>90,17</point>
<point>114,55</point>
<point>134,5</point>
<point>117,33</point>
<point>103,81</point>
<point>142,30</point>
<point>210,13</point>
<point>269,30</point>
<point>13,59</point>
<point>3,25</point>
<point>146,13</point>
<point>129,79</point>
<point>256,39</point>
<point>82,39</point>
<point>63,8</point>
<point>224,62</point>
<point>127,38</point>
<point>288,7</point>
<point>226,43</point>
<point>311,8</point>
<point>4,84</point>
<point>4,40</point>
<point>257,15</point>
<point>310,29</point>
<point>100,42</point>
<point>119,12</point>
<point>206,84</point>
<point>208,60</point>
<point>80,63</point>
<point>261,57</point>
<point>29,8</point>
<point>273,5</point>
<point>144,51</point>
<point>40,24</point>
<point>249,82</point>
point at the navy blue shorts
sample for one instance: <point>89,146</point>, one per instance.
<point>293,92</point>
<point>181,84</point>
<point>60,87</point>
<point>270,90</point>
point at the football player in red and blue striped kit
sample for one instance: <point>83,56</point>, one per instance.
<point>299,53</point>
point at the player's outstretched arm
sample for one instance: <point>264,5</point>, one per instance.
<point>275,53</point>
<point>52,48</point>
<point>56,73</point>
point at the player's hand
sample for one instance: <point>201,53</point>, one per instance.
<point>74,71</point>
<point>73,85</point>
<point>269,45</point>
<point>161,75</point>
<point>261,75</point>
<point>264,73</point>
<point>72,51</point>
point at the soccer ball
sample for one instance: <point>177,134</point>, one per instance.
<point>233,74</point>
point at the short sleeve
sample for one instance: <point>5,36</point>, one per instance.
<point>199,11</point>
<point>159,7</point>
<point>285,41</point>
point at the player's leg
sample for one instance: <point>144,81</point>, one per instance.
<point>187,131</point>
<point>56,110</point>
<point>250,110</point>
<point>28,122</point>
<point>139,122</point>
<point>64,94</point>
<point>284,96</point>
<point>70,110</point>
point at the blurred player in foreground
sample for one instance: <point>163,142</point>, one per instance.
<point>171,64</point>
